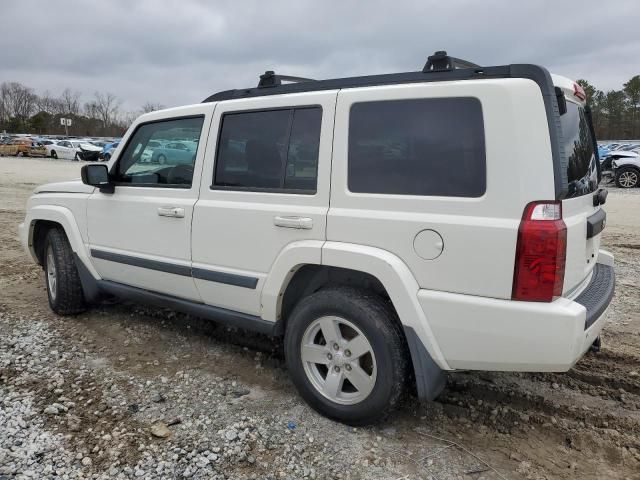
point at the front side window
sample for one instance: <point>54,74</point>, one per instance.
<point>429,147</point>
<point>271,150</point>
<point>152,156</point>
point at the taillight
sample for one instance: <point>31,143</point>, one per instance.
<point>579,92</point>
<point>540,253</point>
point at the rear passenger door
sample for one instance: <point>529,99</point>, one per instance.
<point>267,188</point>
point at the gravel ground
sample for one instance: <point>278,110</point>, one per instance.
<point>124,391</point>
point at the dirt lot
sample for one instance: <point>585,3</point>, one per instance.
<point>79,397</point>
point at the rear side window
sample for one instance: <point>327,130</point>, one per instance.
<point>578,147</point>
<point>431,146</point>
<point>272,150</point>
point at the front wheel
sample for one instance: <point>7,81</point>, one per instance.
<point>627,177</point>
<point>346,355</point>
<point>62,279</point>
<point>54,154</point>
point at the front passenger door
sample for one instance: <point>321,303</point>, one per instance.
<point>141,234</point>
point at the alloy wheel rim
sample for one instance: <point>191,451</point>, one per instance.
<point>338,360</point>
<point>52,280</point>
<point>628,179</point>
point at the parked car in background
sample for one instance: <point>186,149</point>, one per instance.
<point>50,146</point>
<point>603,151</point>
<point>108,149</point>
<point>175,153</point>
<point>626,170</point>
<point>24,146</point>
<point>87,151</point>
<point>608,159</point>
<point>74,150</point>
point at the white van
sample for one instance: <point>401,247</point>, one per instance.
<point>390,227</point>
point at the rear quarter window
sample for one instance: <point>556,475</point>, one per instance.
<point>428,147</point>
<point>579,151</point>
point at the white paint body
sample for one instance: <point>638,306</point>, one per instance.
<point>458,299</point>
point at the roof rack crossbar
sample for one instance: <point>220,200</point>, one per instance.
<point>270,79</point>
<point>440,62</point>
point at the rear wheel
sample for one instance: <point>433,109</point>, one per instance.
<point>54,154</point>
<point>162,159</point>
<point>627,177</point>
<point>347,355</point>
<point>63,282</point>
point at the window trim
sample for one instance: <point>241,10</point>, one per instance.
<point>280,190</point>
<point>411,195</point>
<point>114,167</point>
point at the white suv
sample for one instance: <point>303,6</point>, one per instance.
<point>390,227</point>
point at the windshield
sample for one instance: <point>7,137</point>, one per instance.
<point>582,175</point>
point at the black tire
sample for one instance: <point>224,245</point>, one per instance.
<point>162,159</point>
<point>378,322</point>
<point>627,177</point>
<point>68,298</point>
<point>54,154</point>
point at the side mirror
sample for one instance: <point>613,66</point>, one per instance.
<point>97,175</point>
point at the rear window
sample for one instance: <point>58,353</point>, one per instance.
<point>431,146</point>
<point>578,148</point>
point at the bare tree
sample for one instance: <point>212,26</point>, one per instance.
<point>151,107</point>
<point>4,94</point>
<point>91,109</point>
<point>70,102</point>
<point>18,101</point>
<point>49,104</point>
<point>107,106</point>
<point>125,119</point>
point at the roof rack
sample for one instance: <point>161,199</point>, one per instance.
<point>441,62</point>
<point>270,79</point>
<point>439,67</point>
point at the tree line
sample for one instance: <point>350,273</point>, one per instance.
<point>616,113</point>
<point>22,110</point>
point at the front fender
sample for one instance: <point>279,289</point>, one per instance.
<point>64,217</point>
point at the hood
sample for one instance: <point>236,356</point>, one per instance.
<point>90,148</point>
<point>622,153</point>
<point>73,186</point>
<point>627,161</point>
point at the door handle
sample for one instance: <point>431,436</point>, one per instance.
<point>303,223</point>
<point>175,212</point>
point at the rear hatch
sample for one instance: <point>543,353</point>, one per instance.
<point>583,216</point>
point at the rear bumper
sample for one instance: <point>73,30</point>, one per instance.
<point>476,333</point>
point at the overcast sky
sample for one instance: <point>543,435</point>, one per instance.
<point>179,52</point>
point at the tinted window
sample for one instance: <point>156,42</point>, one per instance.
<point>417,147</point>
<point>274,150</point>
<point>148,158</point>
<point>578,148</point>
